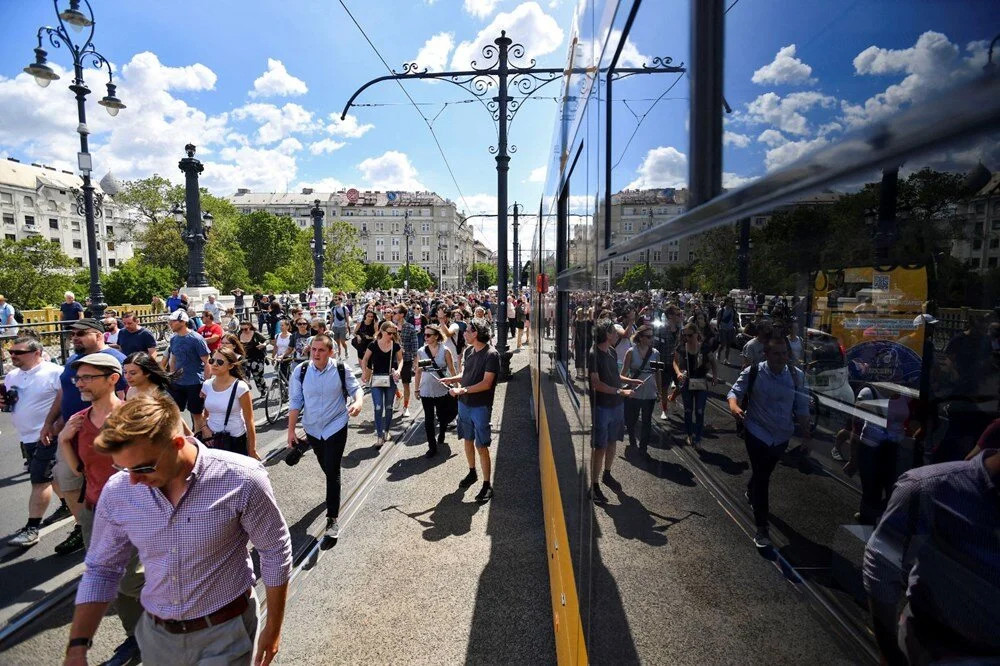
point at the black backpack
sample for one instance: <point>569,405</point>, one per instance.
<point>341,370</point>
<point>18,315</point>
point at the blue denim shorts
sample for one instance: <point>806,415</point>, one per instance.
<point>474,424</point>
<point>609,425</point>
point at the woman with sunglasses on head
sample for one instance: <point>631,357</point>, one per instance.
<point>281,354</point>
<point>255,346</point>
<point>301,334</point>
<point>692,362</point>
<point>229,406</point>
<point>382,365</point>
<point>364,333</point>
<point>431,392</point>
<point>638,365</point>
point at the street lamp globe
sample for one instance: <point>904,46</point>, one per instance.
<point>178,213</point>
<point>110,102</point>
<point>76,19</point>
<point>206,221</point>
<point>40,69</point>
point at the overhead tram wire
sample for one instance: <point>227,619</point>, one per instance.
<point>417,108</point>
<point>639,124</point>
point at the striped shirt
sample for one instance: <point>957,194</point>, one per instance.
<point>939,541</point>
<point>195,554</point>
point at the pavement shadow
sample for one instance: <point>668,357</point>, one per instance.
<point>451,516</point>
<point>358,456</point>
<point>14,479</point>
<point>407,467</point>
<point>661,469</point>
<point>634,521</point>
<point>723,462</point>
<point>816,562</point>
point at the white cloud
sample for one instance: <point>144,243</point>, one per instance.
<point>788,152</point>
<point>276,123</point>
<point>480,8</point>
<point>480,203</point>
<point>433,55</point>
<point>731,181</point>
<point>348,127</point>
<point>289,146</point>
<point>931,66</point>
<point>630,56</point>
<point>146,72</point>
<point>772,137</point>
<point>735,139</point>
<point>537,175</point>
<point>784,69</point>
<point>664,166</point>
<point>390,171</point>
<point>787,112</point>
<point>537,31</point>
<point>321,185</point>
<point>829,128</point>
<point>325,146</point>
<point>277,82</point>
<point>259,169</point>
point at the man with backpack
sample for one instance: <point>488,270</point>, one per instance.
<point>766,400</point>
<point>340,321</point>
<point>324,390</point>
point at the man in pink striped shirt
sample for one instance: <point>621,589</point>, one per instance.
<point>190,512</point>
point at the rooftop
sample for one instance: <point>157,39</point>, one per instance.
<point>341,198</point>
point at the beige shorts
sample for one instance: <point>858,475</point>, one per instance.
<point>63,476</point>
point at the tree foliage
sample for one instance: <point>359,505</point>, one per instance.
<point>637,277</point>
<point>482,275</point>
<point>152,197</point>
<point>344,269</point>
<point>268,242</point>
<point>34,272</point>
<point>377,276</point>
<point>419,278</point>
<point>136,282</point>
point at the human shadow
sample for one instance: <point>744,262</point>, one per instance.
<point>14,479</point>
<point>449,517</point>
<point>359,455</point>
<point>723,462</point>
<point>661,469</point>
<point>817,562</point>
<point>407,467</point>
<point>634,521</point>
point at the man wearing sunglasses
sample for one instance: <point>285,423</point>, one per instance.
<point>190,512</point>
<point>88,338</point>
<point>35,382</point>
<point>96,375</point>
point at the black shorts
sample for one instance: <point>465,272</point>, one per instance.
<point>407,374</point>
<point>188,397</point>
<point>41,460</point>
<point>519,323</point>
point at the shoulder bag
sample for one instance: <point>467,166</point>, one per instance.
<point>437,368</point>
<point>695,383</point>
<point>223,440</point>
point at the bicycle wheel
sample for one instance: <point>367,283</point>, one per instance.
<point>274,400</point>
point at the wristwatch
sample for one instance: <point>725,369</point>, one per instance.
<point>77,642</point>
<point>618,391</point>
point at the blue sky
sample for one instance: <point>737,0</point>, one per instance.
<point>255,85</point>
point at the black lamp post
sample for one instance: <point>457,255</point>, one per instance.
<point>442,254</point>
<point>196,233</point>
<point>317,245</point>
<point>517,254</point>
<point>44,75</point>
<point>408,233</point>
<point>743,245</point>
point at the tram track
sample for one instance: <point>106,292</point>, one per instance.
<point>304,557</point>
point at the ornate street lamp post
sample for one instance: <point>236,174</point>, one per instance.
<point>317,245</point>
<point>196,233</point>
<point>408,233</point>
<point>44,75</point>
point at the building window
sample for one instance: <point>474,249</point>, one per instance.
<point>425,227</point>
<point>100,263</point>
<point>28,201</point>
<point>111,263</point>
<point>994,243</point>
<point>992,263</point>
<point>628,227</point>
<point>379,242</point>
<point>425,212</point>
<point>395,256</point>
<point>380,226</point>
<point>995,226</point>
<point>974,262</point>
<point>52,205</point>
<point>980,207</point>
<point>979,229</point>
<point>380,256</point>
<point>11,237</point>
<point>53,223</point>
<point>29,220</point>
<point>77,245</point>
<point>6,197</point>
<point>977,244</point>
<point>395,242</point>
<point>425,256</point>
<point>111,246</point>
<point>657,255</point>
<point>425,241</point>
<point>443,213</point>
<point>79,261</point>
<point>8,218</point>
<point>74,225</point>
<point>110,230</point>
<point>54,241</point>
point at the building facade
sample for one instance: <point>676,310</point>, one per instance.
<point>979,243</point>
<point>440,240</point>
<point>39,200</point>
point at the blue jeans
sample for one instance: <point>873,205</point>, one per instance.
<point>694,401</point>
<point>382,398</point>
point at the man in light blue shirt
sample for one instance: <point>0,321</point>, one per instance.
<point>324,398</point>
<point>777,398</point>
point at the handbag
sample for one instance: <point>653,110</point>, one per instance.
<point>381,381</point>
<point>695,383</point>
<point>223,440</point>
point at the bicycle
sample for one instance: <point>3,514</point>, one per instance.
<point>276,395</point>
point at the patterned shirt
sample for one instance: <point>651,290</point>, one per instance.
<point>939,541</point>
<point>408,336</point>
<point>195,554</point>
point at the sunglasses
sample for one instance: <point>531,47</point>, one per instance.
<point>80,334</point>
<point>217,361</point>
<point>140,469</point>
<point>302,323</point>
<point>20,352</point>
<point>86,378</point>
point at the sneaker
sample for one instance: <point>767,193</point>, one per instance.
<point>761,539</point>
<point>379,442</point>
<point>395,402</point>
<point>607,478</point>
<point>24,537</point>
<point>332,529</point>
<point>835,454</point>
<point>469,479</point>
<point>126,654</point>
<point>663,415</point>
<point>689,440</point>
<point>57,515</point>
<point>431,451</point>
<point>72,543</point>
<point>485,494</point>
<point>597,495</point>
<point>746,494</point>
<point>406,413</point>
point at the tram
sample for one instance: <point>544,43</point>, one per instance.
<point>804,147</point>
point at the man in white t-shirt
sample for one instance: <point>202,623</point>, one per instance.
<point>214,308</point>
<point>35,383</point>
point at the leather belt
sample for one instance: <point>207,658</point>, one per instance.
<point>227,612</point>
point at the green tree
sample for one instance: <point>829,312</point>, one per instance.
<point>377,276</point>
<point>268,242</point>
<point>344,269</point>
<point>482,275</point>
<point>636,277</point>
<point>419,278</point>
<point>136,282</point>
<point>152,197</point>
<point>34,272</point>
<point>716,266</point>
<point>160,244</point>
<point>225,262</point>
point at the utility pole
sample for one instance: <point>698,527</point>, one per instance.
<point>517,255</point>
<point>407,232</point>
<point>497,77</point>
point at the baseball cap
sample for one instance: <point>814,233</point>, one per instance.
<point>88,324</point>
<point>178,315</point>
<point>99,360</point>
